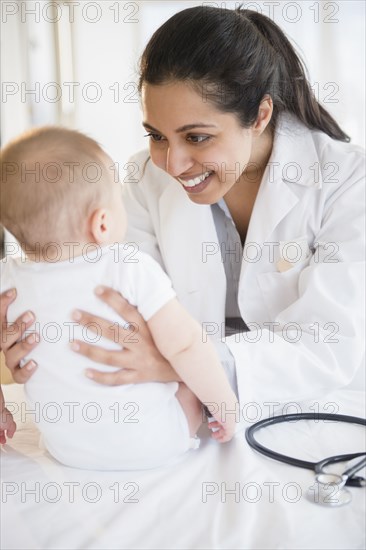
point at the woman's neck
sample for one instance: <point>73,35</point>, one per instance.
<point>241,197</point>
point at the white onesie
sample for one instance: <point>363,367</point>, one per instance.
<point>85,424</point>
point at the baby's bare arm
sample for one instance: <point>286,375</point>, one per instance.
<point>182,342</point>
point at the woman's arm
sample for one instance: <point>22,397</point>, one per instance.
<point>227,361</point>
<point>14,350</point>
<point>314,344</point>
<point>7,424</point>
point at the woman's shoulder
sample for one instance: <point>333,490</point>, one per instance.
<point>318,157</point>
<point>289,125</point>
<point>328,146</point>
<point>339,162</point>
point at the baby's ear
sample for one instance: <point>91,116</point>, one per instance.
<point>100,225</point>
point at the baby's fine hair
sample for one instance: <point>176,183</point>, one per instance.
<point>52,178</point>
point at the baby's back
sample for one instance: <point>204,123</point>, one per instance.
<point>85,424</point>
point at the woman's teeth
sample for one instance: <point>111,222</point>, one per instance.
<point>195,181</point>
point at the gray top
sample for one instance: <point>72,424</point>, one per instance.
<point>231,254</point>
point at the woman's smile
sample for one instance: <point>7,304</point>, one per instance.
<point>206,154</point>
<point>196,184</point>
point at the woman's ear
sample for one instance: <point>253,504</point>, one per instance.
<point>100,225</point>
<point>264,115</point>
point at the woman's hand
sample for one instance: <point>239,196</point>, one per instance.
<point>15,351</point>
<point>138,361</point>
<point>7,425</point>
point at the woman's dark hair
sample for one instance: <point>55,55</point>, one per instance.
<point>234,58</point>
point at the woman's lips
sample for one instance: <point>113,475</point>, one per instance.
<point>199,187</point>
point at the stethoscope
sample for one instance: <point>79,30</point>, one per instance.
<point>329,489</point>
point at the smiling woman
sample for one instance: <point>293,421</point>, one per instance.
<point>187,151</point>
<point>251,199</point>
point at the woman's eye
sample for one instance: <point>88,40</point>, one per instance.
<point>154,137</point>
<point>157,138</point>
<point>198,139</point>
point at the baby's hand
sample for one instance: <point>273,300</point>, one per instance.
<point>221,432</point>
<point>7,425</point>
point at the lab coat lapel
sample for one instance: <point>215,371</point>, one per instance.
<point>274,201</point>
<point>191,254</point>
<point>291,164</point>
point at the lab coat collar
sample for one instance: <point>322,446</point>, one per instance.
<point>292,163</point>
<point>274,201</point>
<point>191,253</point>
<point>294,157</point>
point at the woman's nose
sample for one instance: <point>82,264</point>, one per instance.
<point>178,161</point>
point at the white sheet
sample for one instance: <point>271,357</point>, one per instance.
<point>171,507</point>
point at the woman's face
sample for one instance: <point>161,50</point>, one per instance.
<point>204,149</point>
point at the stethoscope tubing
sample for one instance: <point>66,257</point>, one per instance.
<point>315,466</point>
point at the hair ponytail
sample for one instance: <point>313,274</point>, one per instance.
<point>234,58</point>
<point>294,91</point>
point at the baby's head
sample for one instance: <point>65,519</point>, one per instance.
<point>59,186</point>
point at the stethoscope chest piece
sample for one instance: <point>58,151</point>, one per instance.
<point>328,490</point>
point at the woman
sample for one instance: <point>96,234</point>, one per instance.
<point>252,202</point>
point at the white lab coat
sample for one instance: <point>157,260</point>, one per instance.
<point>307,323</point>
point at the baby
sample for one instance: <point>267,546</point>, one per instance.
<point>62,203</point>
